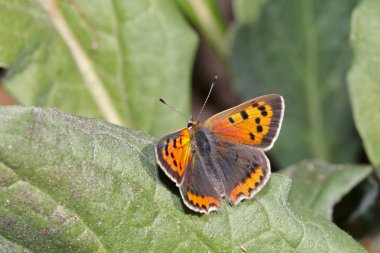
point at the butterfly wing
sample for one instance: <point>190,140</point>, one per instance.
<point>256,122</point>
<point>245,170</point>
<point>196,190</point>
<point>174,156</point>
<point>173,153</point>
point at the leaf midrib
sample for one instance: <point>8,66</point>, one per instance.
<point>91,80</point>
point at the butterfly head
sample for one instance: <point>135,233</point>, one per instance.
<point>191,123</point>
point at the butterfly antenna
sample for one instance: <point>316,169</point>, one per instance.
<point>209,93</point>
<point>171,107</point>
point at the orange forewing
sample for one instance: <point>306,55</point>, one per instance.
<point>174,152</point>
<point>255,122</point>
<point>251,131</point>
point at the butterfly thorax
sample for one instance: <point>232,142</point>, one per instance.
<point>201,139</point>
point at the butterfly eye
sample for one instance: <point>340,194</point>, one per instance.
<point>189,125</point>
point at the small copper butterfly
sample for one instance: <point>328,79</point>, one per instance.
<point>224,156</point>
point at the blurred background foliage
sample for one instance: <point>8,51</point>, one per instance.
<point>118,58</point>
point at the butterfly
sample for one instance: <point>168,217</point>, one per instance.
<point>224,156</point>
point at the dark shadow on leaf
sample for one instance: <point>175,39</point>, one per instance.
<point>171,186</point>
<point>148,161</point>
<point>188,211</point>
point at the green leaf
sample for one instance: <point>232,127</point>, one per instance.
<point>299,49</point>
<point>319,186</point>
<point>105,59</point>
<point>69,182</point>
<point>247,11</point>
<point>364,76</point>
<point>8,247</point>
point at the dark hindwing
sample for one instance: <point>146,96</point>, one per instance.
<point>245,170</point>
<point>197,191</point>
<point>173,153</point>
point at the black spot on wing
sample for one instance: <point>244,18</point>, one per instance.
<point>244,115</point>
<point>257,120</point>
<point>261,108</point>
<point>231,120</point>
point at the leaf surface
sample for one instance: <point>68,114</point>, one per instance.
<point>364,77</point>
<point>69,182</point>
<point>105,59</point>
<point>319,186</point>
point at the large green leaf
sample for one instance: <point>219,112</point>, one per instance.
<point>299,49</point>
<point>319,186</point>
<point>71,183</point>
<point>364,76</point>
<point>105,59</point>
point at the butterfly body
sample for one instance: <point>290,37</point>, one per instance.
<point>224,156</point>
